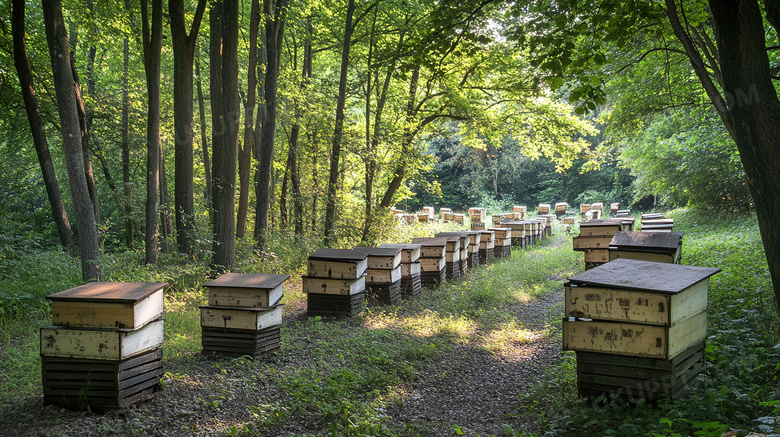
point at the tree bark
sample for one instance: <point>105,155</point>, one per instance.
<point>753,110</point>
<point>226,155</point>
<point>126,187</point>
<point>64,84</point>
<point>22,62</point>
<point>152,42</point>
<point>330,208</point>
<point>204,139</point>
<point>183,58</point>
<point>275,17</point>
<point>245,153</point>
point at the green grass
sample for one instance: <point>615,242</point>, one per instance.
<point>739,388</point>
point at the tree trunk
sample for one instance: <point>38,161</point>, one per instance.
<point>295,133</point>
<point>275,17</point>
<point>152,41</point>
<point>204,139</point>
<point>283,213</point>
<point>85,130</point>
<point>226,155</point>
<point>126,187</point>
<point>400,169</point>
<point>166,219</point>
<point>183,57</point>
<point>59,214</point>
<point>245,154</point>
<point>330,208</point>
<point>215,91</point>
<point>64,84</point>
<point>753,109</point>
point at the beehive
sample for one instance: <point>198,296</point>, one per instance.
<point>644,321</point>
<point>647,246</point>
<point>383,275</point>
<point>411,284</point>
<point>432,260</point>
<point>242,307</point>
<point>335,282</point>
<point>594,239</point>
<point>104,350</point>
<point>465,242</point>
<point>487,245</point>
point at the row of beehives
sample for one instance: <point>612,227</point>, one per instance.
<point>636,317</point>
<point>604,240</point>
<point>103,350</point>
<point>339,282</point>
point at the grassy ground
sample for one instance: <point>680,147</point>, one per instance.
<point>344,377</point>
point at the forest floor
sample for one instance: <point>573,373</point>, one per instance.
<point>471,385</point>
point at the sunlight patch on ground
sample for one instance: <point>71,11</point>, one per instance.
<point>427,324</point>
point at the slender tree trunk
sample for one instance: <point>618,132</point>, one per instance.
<point>215,91</point>
<point>59,214</point>
<point>166,217</point>
<point>315,165</point>
<point>400,169</point>
<point>126,187</point>
<point>275,13</point>
<point>245,154</point>
<point>152,41</point>
<point>753,110</point>
<point>226,156</point>
<point>330,208</point>
<point>57,38</point>
<point>183,57</point>
<point>283,212</point>
<point>295,133</point>
<point>204,140</point>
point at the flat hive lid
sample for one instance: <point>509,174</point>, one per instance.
<point>644,275</point>
<point>431,241</point>
<point>248,280</point>
<point>382,250</point>
<point>120,292</point>
<point>345,255</point>
<point>402,246</point>
<point>647,240</point>
<point>602,222</point>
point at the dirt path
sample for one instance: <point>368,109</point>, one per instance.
<point>475,389</point>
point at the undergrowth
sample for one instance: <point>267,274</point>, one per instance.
<point>739,389</point>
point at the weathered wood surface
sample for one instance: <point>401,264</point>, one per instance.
<point>594,242</point>
<point>248,280</point>
<point>637,306</point>
<point>644,275</point>
<point>383,276</point>
<point>345,287</point>
<point>335,306</point>
<point>634,378</point>
<point>101,385</point>
<point>383,257</point>
<point>410,252</point>
<point>100,343</point>
<point>120,292</point>
<point>643,241</point>
<point>501,232</point>
<point>634,339</point>
<point>345,255</point>
<point>432,247</point>
<point>240,342</point>
<point>245,297</point>
<point>240,318</point>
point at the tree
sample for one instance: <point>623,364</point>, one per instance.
<point>275,18</point>
<point>183,57</point>
<point>726,46</point>
<point>24,72</point>
<point>64,84</point>
<point>225,152</point>
<point>335,152</point>
<point>152,44</point>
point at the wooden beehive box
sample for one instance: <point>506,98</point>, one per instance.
<point>475,237</point>
<point>409,252</point>
<point>614,208</point>
<point>584,207</point>
<point>240,318</point>
<point>560,208</point>
<point>385,257</point>
<point>431,247</point>
<point>623,213</point>
<point>647,246</point>
<point>657,225</point>
<point>496,219</point>
<point>127,305</point>
<point>247,290</point>
<point>637,308</point>
<point>543,208</point>
<point>100,343</point>
<point>477,226</point>
<point>502,233</point>
<point>601,228</point>
<point>488,240</point>
<point>338,263</point>
<point>339,287</point>
<point>459,218</point>
<point>423,217</point>
<point>465,240</point>
<point>431,211</point>
<point>383,276</point>
<point>598,206</point>
<point>409,219</point>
